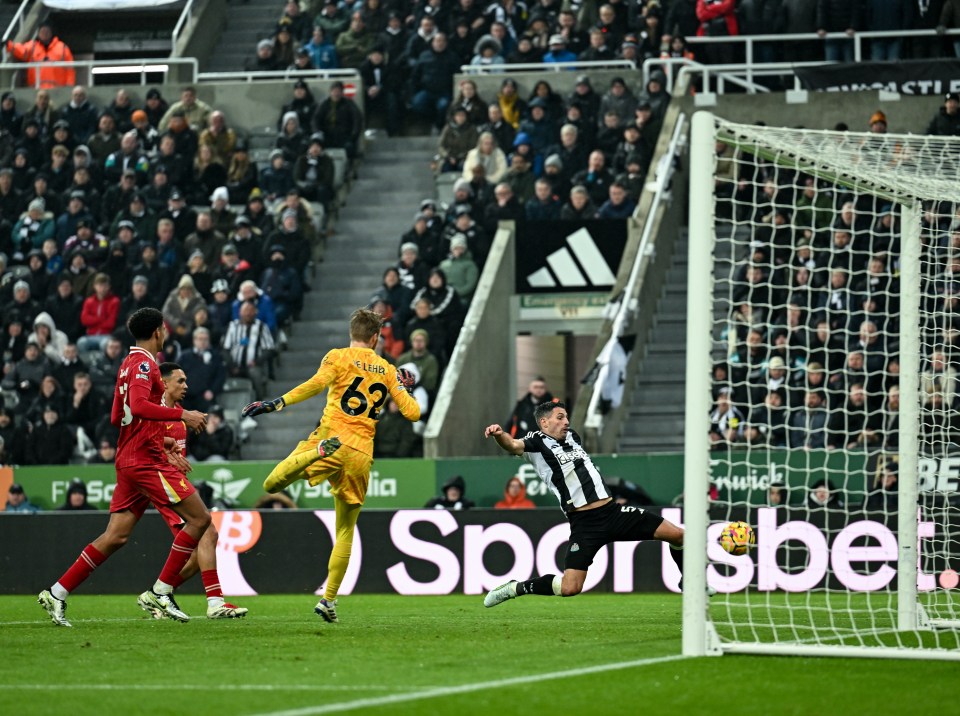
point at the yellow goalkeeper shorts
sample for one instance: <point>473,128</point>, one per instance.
<point>347,471</point>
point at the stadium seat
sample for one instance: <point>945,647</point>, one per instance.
<point>444,185</point>
<point>339,157</point>
<point>238,385</point>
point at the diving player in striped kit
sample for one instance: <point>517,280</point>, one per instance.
<point>595,519</point>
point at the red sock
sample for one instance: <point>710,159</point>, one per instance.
<point>89,560</point>
<point>211,583</point>
<point>183,546</point>
<point>177,581</point>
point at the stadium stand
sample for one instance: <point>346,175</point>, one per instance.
<point>83,193</point>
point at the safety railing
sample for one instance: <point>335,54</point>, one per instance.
<point>628,305</point>
<point>98,68</point>
<point>180,27</point>
<point>340,74</point>
<point>749,42</point>
<point>547,67</point>
<point>15,25</point>
<point>714,78</point>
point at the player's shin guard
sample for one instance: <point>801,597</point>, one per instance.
<point>183,546</point>
<point>90,558</point>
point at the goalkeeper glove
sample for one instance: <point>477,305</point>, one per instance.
<point>406,379</point>
<point>262,406</point>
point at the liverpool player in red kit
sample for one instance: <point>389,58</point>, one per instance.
<point>150,469</point>
<point>204,559</point>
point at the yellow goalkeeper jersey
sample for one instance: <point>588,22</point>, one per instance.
<point>359,381</point>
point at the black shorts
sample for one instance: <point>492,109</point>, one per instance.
<point>592,529</point>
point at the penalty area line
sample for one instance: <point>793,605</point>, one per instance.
<point>440,691</point>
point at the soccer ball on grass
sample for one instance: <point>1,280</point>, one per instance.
<point>737,538</point>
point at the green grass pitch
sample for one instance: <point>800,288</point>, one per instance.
<point>425,655</point>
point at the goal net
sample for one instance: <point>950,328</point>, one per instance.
<point>822,392</point>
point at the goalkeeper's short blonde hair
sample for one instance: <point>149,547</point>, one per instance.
<point>364,325</point>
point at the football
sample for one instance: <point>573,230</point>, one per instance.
<point>737,538</point>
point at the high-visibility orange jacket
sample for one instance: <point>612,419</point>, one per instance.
<point>36,51</point>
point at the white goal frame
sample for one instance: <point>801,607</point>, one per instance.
<point>699,636</point>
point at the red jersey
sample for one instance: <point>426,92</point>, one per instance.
<point>176,429</point>
<point>138,413</point>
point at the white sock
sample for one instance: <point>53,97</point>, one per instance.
<point>162,588</point>
<point>59,592</point>
<point>215,602</point>
<point>557,581</point>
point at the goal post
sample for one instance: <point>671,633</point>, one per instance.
<point>822,387</point>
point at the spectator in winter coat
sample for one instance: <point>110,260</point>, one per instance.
<point>619,99</point>
<point>181,305</point>
<point>619,205</point>
<point>215,442</point>
<point>432,81</point>
<point>397,296</point>
<point>460,269</point>
<point>50,442</point>
<point>579,207</point>
<point>340,121</point>
<point>946,123</point>
<point>99,314</point>
<point>488,154</point>
<point>395,436</point>
<point>521,420</point>
<point>544,206</point>
<point>514,496</point>
<point>206,369</point>
<point>457,139</point>
<point>50,340</point>
<point>282,284</point>
<point>452,496</point>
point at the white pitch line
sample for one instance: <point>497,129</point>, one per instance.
<point>198,687</point>
<point>391,699</point>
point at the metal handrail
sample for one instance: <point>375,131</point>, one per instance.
<point>548,66</point>
<point>178,28</point>
<point>16,23</point>
<point>857,37</point>
<point>740,74</point>
<point>14,27</point>
<point>141,65</point>
<point>628,304</point>
<point>343,73</point>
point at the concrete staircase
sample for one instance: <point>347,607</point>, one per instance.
<point>654,421</point>
<point>393,178</point>
<point>246,23</point>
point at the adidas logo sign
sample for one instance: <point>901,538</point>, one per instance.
<point>574,547</point>
<point>581,264</point>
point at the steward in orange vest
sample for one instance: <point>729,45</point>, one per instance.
<point>45,48</point>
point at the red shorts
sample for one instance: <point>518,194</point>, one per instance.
<point>138,487</point>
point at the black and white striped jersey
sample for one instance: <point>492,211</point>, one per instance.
<point>566,468</point>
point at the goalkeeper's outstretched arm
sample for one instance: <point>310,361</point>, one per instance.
<point>504,439</point>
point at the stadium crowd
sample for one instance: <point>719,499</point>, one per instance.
<point>104,210</point>
<point>811,340</point>
<point>157,202</point>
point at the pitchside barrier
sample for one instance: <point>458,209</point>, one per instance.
<point>436,552</point>
<point>408,484</point>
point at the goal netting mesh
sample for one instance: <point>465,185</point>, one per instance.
<point>835,337</point>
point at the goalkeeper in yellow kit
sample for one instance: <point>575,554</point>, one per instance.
<point>340,450</point>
